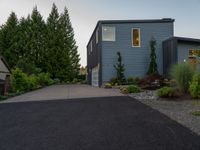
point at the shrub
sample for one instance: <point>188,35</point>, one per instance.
<point>19,81</point>
<point>108,85</point>
<point>32,82</point>
<point>182,73</point>
<point>152,81</point>
<point>134,89</point>
<point>166,92</point>
<point>131,80</point>
<point>119,67</point>
<point>44,79</point>
<point>124,90</point>
<point>113,80</point>
<point>195,87</point>
<point>196,113</point>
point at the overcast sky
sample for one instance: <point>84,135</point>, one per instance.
<point>85,14</point>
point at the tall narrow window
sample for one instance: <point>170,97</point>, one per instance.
<point>108,33</point>
<point>91,46</point>
<point>97,36</point>
<point>136,37</point>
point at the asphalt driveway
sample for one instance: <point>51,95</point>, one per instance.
<point>60,92</point>
<point>109,123</point>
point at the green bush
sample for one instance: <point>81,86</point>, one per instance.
<point>32,82</point>
<point>166,92</point>
<point>19,81</point>
<point>195,86</point>
<point>124,90</point>
<point>44,79</point>
<point>108,85</point>
<point>182,73</point>
<point>196,113</point>
<point>134,89</point>
<point>113,81</point>
<point>131,80</point>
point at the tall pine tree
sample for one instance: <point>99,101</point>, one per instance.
<point>53,47</point>
<point>8,40</point>
<point>38,29</point>
<point>70,45</point>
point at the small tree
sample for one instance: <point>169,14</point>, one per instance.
<point>153,64</point>
<point>119,67</point>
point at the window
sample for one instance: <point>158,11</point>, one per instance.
<point>97,36</point>
<point>91,46</point>
<point>136,37</point>
<point>108,33</point>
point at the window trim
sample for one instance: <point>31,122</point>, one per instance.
<point>114,33</point>
<point>132,38</point>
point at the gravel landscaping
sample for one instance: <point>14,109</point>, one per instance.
<point>181,111</point>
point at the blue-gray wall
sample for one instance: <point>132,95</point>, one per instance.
<point>183,50</point>
<point>136,60</point>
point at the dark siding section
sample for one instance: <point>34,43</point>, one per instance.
<point>93,57</point>
<point>169,55</point>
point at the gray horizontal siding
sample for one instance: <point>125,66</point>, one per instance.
<point>136,60</point>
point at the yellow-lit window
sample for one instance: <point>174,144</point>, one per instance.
<point>136,37</point>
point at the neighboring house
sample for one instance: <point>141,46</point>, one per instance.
<point>4,76</point>
<point>131,38</point>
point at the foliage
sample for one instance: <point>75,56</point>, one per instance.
<point>44,79</point>
<point>19,81</point>
<point>151,81</point>
<point>134,89</point>
<point>124,90</point>
<point>32,82</point>
<point>108,85</point>
<point>8,40</point>
<point>35,46</point>
<point>153,64</point>
<point>166,92</point>
<point>182,73</point>
<point>131,80</point>
<point>22,82</point>
<point>113,81</point>
<point>131,89</point>
<point>196,113</point>
<point>195,86</point>
<point>119,67</point>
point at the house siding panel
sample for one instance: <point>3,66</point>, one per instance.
<point>136,60</point>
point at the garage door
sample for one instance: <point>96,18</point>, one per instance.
<point>95,76</point>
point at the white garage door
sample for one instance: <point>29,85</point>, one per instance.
<point>95,76</point>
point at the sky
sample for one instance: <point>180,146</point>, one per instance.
<point>84,14</point>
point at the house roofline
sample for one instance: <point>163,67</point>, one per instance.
<point>6,64</point>
<point>164,20</point>
<point>184,39</point>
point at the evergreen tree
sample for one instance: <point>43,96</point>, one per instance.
<point>37,47</point>
<point>53,49</point>
<point>153,64</point>
<point>70,45</point>
<point>119,67</point>
<point>8,40</point>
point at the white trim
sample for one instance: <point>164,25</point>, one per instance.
<point>132,37</point>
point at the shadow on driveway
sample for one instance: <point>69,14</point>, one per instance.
<point>112,123</point>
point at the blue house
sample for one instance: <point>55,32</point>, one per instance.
<point>130,38</point>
